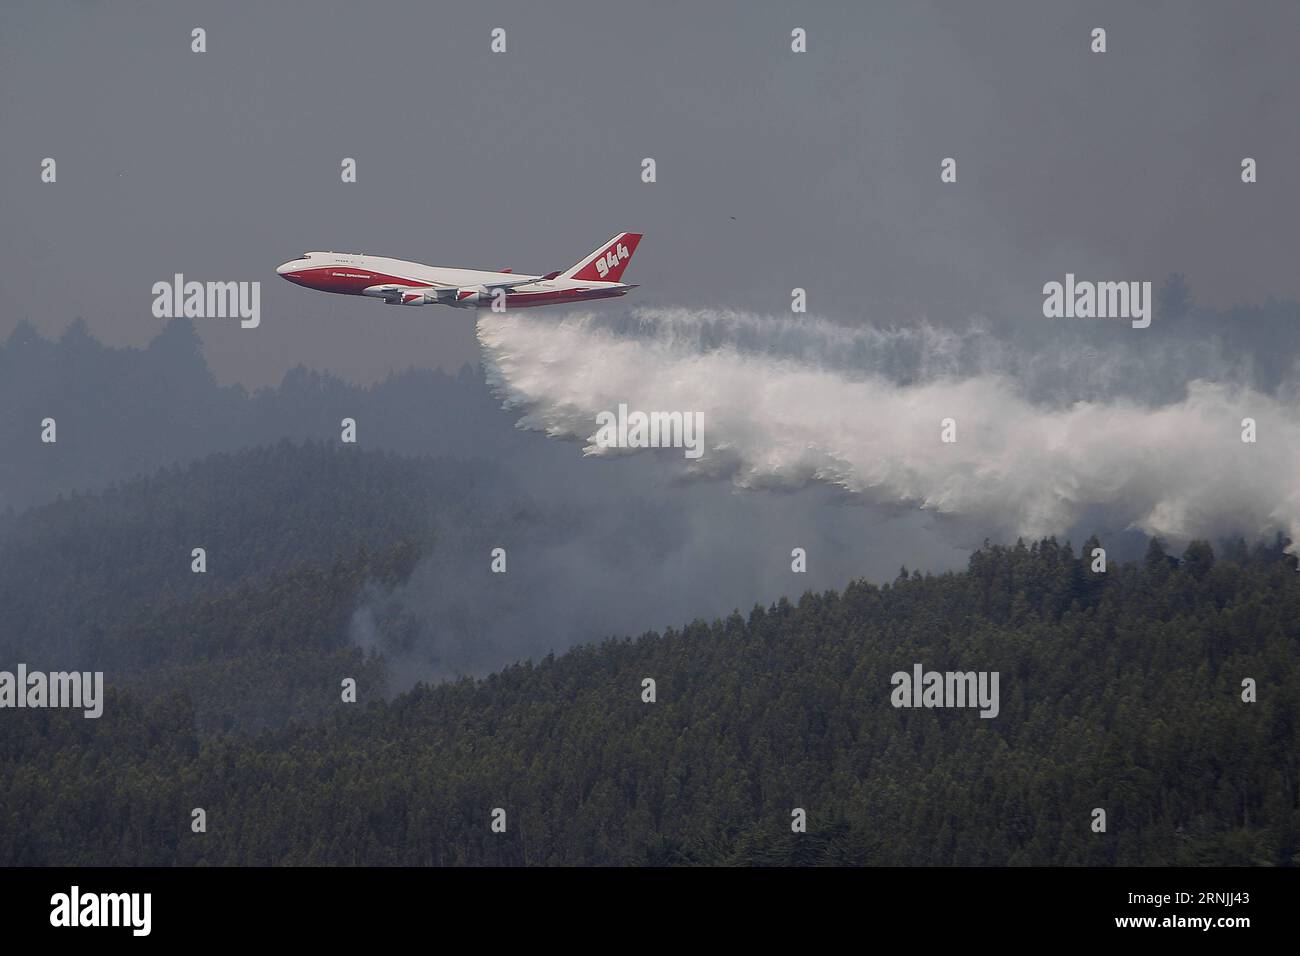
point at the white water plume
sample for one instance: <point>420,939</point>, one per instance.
<point>791,401</point>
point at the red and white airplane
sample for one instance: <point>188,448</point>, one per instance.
<point>411,283</point>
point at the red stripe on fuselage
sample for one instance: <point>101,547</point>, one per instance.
<point>348,280</point>
<point>523,300</point>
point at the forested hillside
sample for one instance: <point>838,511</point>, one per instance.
<point>293,535</point>
<point>1119,690</point>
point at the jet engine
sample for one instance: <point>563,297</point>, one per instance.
<point>477,295</point>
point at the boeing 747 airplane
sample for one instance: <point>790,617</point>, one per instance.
<point>398,282</point>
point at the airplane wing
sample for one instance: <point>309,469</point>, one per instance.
<point>511,283</point>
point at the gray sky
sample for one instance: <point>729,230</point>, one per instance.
<point>221,165</point>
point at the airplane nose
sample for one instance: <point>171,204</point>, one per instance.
<point>285,267</point>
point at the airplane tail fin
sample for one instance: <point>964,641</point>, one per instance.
<point>607,263</point>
